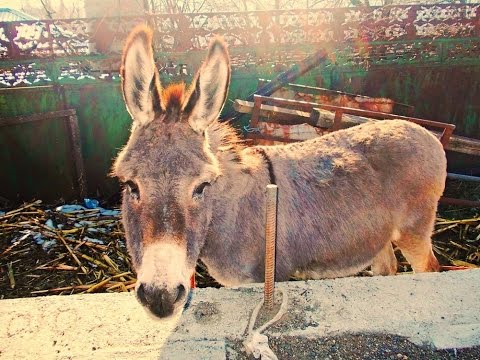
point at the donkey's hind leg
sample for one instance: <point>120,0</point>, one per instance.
<point>416,244</point>
<point>418,252</point>
<point>385,262</point>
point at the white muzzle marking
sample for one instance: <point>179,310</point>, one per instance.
<point>164,265</point>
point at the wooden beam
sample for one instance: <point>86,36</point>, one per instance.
<point>75,146</point>
<point>36,117</point>
<point>459,202</point>
<point>275,114</point>
<point>73,136</point>
<point>456,143</point>
<point>464,145</point>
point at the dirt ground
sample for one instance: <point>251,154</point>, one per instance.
<point>353,347</point>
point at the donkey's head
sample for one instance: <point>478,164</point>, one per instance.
<point>169,170</point>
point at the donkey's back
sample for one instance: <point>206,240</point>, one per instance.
<point>346,197</point>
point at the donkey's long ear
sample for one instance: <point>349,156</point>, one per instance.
<point>140,80</point>
<point>210,87</point>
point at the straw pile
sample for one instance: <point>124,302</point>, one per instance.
<point>458,241</point>
<point>84,246</point>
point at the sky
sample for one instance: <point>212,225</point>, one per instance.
<point>17,4</point>
<point>35,7</point>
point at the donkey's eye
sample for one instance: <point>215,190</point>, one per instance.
<point>198,191</point>
<point>132,189</point>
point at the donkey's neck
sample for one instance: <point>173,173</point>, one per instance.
<point>234,248</point>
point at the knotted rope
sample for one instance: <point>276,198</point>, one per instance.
<point>256,343</point>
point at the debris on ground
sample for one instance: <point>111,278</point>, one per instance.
<point>352,346</point>
<point>66,249</point>
<point>63,250</point>
<point>76,248</point>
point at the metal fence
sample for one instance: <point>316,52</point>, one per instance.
<point>183,32</point>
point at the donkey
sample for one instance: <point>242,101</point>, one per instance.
<point>193,190</point>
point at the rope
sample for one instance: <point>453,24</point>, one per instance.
<point>257,343</point>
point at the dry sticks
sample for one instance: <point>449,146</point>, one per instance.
<point>64,250</point>
<point>47,250</point>
<point>458,241</point>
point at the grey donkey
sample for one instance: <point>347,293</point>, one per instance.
<point>193,190</point>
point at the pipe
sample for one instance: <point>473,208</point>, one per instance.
<point>463,177</point>
<point>282,79</point>
<point>460,202</point>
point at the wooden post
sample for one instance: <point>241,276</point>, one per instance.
<point>75,146</point>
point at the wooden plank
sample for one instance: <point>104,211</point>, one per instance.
<point>456,143</point>
<point>320,91</point>
<point>275,114</point>
<point>464,145</point>
<point>36,117</point>
<point>74,139</point>
<point>73,136</point>
<point>257,136</point>
<point>324,119</point>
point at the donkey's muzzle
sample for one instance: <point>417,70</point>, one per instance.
<point>161,302</point>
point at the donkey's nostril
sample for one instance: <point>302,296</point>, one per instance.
<point>181,292</point>
<point>159,300</point>
<point>141,294</point>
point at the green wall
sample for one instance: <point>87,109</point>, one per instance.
<point>35,157</point>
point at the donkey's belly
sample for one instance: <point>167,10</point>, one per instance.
<point>317,273</point>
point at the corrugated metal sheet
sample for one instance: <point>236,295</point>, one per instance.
<point>9,15</point>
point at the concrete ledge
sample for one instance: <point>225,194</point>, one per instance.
<point>440,310</point>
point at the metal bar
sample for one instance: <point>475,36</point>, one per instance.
<point>36,117</point>
<point>460,202</point>
<point>74,140</point>
<point>270,239</point>
<point>337,121</point>
<point>257,104</point>
<point>291,74</point>
<point>259,136</point>
<point>446,135</point>
<point>463,177</point>
<point>319,90</point>
<point>284,78</point>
